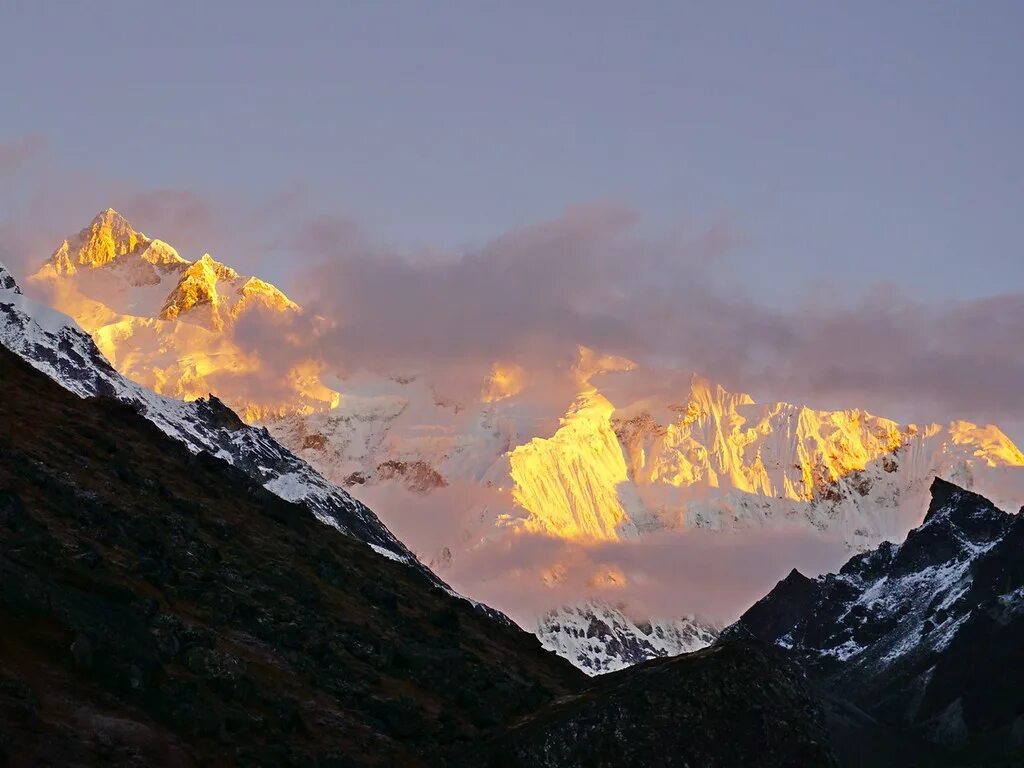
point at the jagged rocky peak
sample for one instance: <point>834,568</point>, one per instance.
<point>958,506</point>
<point>108,236</point>
<point>208,282</point>
<point>110,240</point>
<point>7,281</point>
<point>198,285</point>
<point>133,260</point>
<point>957,524</point>
<point>782,608</point>
<point>922,633</point>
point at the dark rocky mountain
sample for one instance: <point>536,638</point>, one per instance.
<point>158,606</point>
<point>725,705</point>
<point>924,639</point>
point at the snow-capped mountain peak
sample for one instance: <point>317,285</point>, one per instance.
<point>598,637</point>
<point>224,294</point>
<point>109,238</point>
<point>7,281</point>
<point>167,322</point>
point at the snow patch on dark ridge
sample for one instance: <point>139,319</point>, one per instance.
<point>54,344</point>
<point>926,633</point>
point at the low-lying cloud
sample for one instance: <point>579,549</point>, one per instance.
<point>667,574</point>
<point>711,575</point>
<point>594,276</point>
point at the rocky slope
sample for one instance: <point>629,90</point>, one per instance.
<point>927,635</point>
<point>600,638</point>
<point>54,344</point>
<point>610,723</point>
<point>159,607</point>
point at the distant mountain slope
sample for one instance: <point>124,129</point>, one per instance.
<point>159,607</point>
<point>927,634</point>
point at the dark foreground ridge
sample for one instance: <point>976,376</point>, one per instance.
<point>161,608</point>
<point>733,704</point>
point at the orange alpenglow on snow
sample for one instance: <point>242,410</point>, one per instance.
<point>588,453</point>
<point>168,323</point>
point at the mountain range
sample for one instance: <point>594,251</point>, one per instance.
<point>164,321</point>
<point>623,451</point>
<point>618,458</point>
<point>162,603</point>
<point>179,587</point>
<point>599,638</point>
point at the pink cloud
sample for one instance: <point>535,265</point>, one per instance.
<point>715,576</point>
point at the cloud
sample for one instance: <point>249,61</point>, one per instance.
<point>529,296</point>
<point>189,219</point>
<point>592,275</point>
<point>595,276</point>
<point>664,575</point>
<point>661,575</point>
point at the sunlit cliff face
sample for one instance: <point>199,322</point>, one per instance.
<point>594,451</point>
<point>168,323</point>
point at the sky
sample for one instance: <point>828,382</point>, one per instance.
<point>807,200</point>
<point>851,141</point>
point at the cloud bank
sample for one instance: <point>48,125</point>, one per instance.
<point>595,276</point>
<point>678,573</point>
<point>661,575</point>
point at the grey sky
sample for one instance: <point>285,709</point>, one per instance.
<point>852,141</point>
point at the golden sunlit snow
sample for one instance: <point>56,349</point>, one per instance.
<point>165,322</point>
<point>603,465</point>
